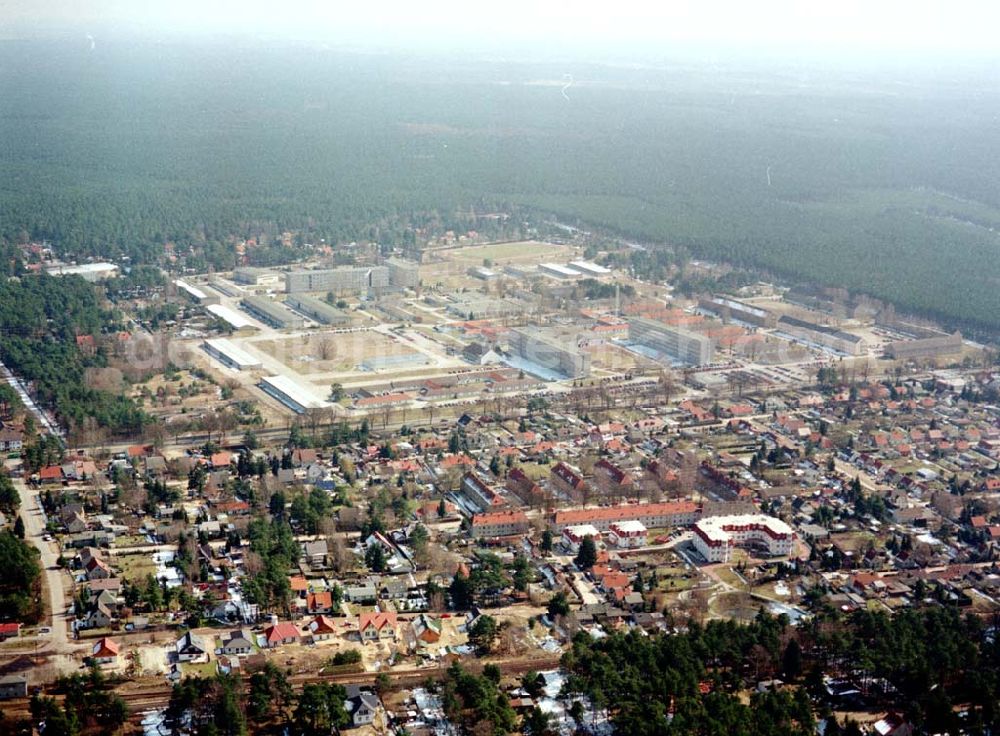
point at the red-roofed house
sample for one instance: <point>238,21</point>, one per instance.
<point>376,626</point>
<point>104,651</point>
<point>322,628</point>
<point>50,474</point>
<point>9,631</point>
<point>319,602</point>
<point>221,459</point>
<point>279,634</point>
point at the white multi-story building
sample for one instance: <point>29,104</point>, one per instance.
<point>628,534</point>
<point>573,536</point>
<point>679,343</point>
<point>715,537</point>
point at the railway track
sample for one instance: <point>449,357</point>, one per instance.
<point>142,701</point>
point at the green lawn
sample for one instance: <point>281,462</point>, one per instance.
<point>135,568</point>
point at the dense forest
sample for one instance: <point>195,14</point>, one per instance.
<point>40,317</point>
<point>883,182</point>
<point>920,663</point>
<point>20,585</point>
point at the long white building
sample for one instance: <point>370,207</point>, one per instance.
<point>292,394</point>
<point>235,319</point>
<point>230,354</point>
<point>715,537</point>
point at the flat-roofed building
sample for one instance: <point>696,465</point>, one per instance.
<point>272,313</point>
<point>652,515</point>
<point>342,280</point>
<point>549,353</point>
<point>317,309</point>
<point>230,354</point>
<point>13,686</point>
<point>499,524</point>
<point>256,276</point>
<point>676,342</point>
<point>292,394</point>
<point>403,274</point>
<point>483,273</point>
<point>715,537</point>
<point>822,335</point>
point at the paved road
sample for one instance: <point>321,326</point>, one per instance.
<point>34,528</point>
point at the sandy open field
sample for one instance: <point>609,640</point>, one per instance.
<point>613,359</point>
<point>529,251</point>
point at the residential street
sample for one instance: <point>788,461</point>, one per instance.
<point>34,528</point>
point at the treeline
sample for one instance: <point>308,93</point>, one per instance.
<point>877,193</point>
<point>921,663</point>
<point>40,318</point>
<point>228,706</point>
<point>20,584</point>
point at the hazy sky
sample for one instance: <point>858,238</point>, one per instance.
<point>888,25</point>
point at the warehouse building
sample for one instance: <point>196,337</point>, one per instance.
<point>484,307</point>
<point>195,294</point>
<point>230,316</point>
<point>317,309</point>
<point>927,347</point>
<point>588,268</point>
<point>256,277</point>
<point>559,271</point>
<point>87,271</point>
<point>393,362</point>
<point>292,394</point>
<point>230,354</point>
<point>678,343</point>
<point>226,287</point>
<point>549,353</point>
<point>272,313</point>
<point>822,335</point>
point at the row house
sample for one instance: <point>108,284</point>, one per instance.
<point>499,524</point>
